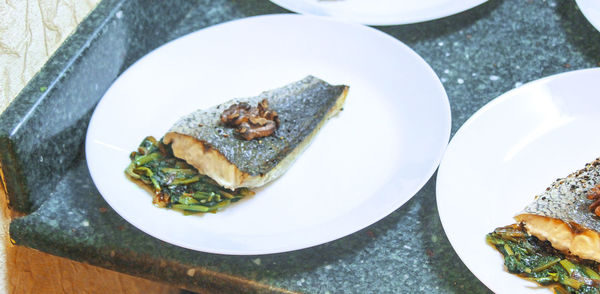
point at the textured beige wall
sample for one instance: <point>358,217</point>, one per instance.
<point>30,31</point>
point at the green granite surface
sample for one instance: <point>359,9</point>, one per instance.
<point>478,54</point>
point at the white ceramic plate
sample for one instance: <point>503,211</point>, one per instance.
<point>591,11</point>
<point>364,164</point>
<point>508,152</point>
<point>380,12</point>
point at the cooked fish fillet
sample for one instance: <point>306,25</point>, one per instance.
<point>562,216</point>
<point>216,151</point>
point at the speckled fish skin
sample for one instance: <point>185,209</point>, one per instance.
<point>301,107</point>
<point>566,198</point>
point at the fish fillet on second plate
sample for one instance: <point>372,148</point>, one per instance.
<point>563,216</point>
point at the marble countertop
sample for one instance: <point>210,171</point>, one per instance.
<point>478,55</point>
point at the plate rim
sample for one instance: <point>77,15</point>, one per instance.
<point>370,20</point>
<point>584,6</point>
<point>444,104</point>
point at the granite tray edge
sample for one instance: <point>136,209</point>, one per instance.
<point>22,132</point>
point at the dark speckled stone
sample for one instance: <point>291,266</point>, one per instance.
<point>478,55</point>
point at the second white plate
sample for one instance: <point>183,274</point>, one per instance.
<point>506,153</point>
<point>365,163</point>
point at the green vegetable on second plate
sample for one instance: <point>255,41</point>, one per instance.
<point>175,183</point>
<point>536,260</point>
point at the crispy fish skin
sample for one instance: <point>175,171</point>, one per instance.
<point>216,151</point>
<point>562,216</point>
